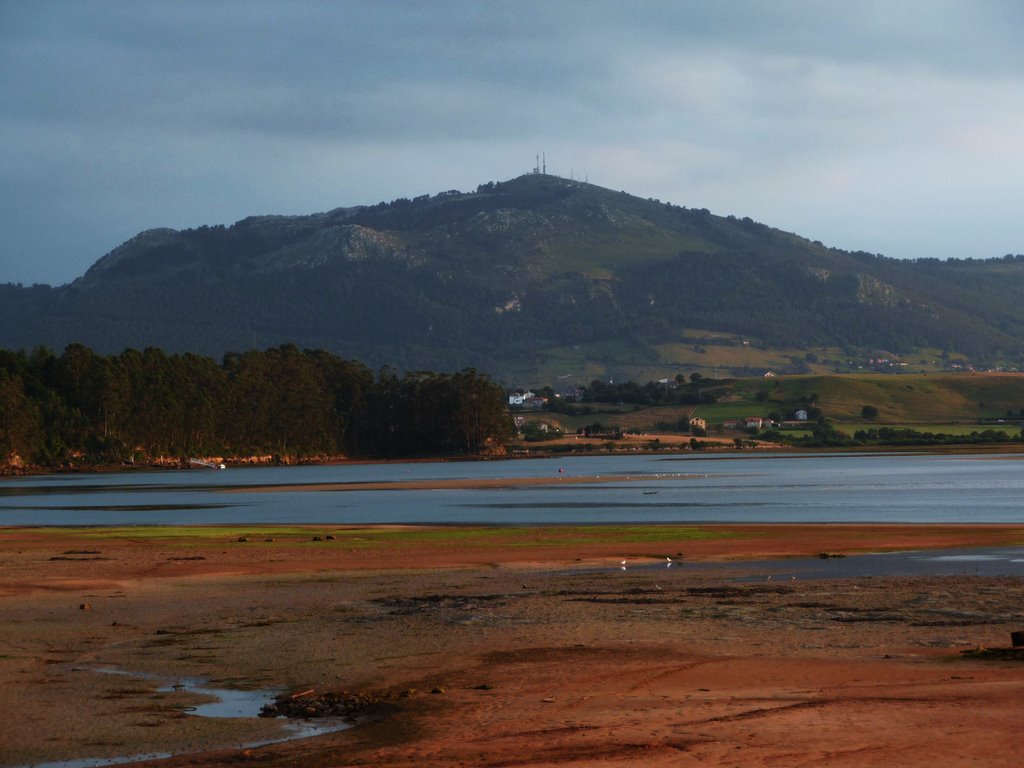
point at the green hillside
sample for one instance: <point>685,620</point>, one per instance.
<point>906,399</point>
<point>533,279</point>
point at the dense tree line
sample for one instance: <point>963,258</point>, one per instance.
<point>678,392</point>
<point>825,435</point>
<point>292,403</point>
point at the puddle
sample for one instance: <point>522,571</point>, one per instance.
<point>227,702</point>
<point>985,561</point>
<point>992,562</point>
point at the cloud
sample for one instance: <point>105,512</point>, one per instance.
<point>878,125</point>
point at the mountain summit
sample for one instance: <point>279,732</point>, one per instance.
<point>511,277</point>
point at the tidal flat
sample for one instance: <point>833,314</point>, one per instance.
<point>508,646</point>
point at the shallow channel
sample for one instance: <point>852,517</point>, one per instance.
<point>227,702</point>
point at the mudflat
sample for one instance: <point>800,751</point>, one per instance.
<point>506,646</point>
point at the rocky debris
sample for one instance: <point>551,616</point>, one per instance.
<point>334,704</point>
<point>994,654</point>
<point>1014,653</point>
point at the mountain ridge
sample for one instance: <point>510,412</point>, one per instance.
<point>509,277</point>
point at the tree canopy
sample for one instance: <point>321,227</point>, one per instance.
<point>85,407</point>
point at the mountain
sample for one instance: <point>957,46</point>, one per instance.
<point>518,278</point>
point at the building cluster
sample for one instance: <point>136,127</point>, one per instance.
<point>527,401</point>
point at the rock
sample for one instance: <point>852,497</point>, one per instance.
<point>85,607</point>
<point>308,704</point>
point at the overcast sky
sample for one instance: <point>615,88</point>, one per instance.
<point>891,127</point>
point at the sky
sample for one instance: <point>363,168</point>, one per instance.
<point>888,126</point>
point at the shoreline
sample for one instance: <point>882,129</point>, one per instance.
<point>711,451</point>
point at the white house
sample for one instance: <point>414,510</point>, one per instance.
<point>519,398</point>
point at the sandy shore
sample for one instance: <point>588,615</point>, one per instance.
<point>539,649</point>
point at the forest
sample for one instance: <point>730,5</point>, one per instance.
<point>81,407</point>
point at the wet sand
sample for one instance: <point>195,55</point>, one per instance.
<point>539,648</point>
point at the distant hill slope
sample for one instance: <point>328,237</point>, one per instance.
<point>504,277</point>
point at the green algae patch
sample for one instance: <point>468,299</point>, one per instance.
<point>374,536</point>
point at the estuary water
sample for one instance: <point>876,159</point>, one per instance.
<point>683,488</point>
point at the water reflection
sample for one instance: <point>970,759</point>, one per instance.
<point>991,562</point>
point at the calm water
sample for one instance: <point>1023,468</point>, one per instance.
<point>677,489</point>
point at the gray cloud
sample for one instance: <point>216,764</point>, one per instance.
<point>888,126</point>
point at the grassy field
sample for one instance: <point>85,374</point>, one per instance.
<point>925,398</point>
<point>956,404</point>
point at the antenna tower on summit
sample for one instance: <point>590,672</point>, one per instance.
<point>542,165</point>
